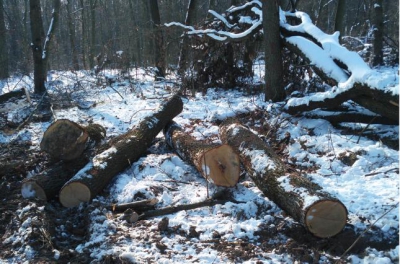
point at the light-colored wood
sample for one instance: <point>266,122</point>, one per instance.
<point>223,165</point>
<point>31,189</point>
<point>326,218</point>
<point>74,194</point>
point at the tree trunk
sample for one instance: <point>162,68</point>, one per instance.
<point>272,47</point>
<point>3,45</point>
<point>217,163</point>
<point>159,52</point>
<point>71,31</point>
<point>41,53</point>
<point>340,17</point>
<point>121,153</point>
<point>191,12</point>
<point>319,212</point>
<point>377,57</point>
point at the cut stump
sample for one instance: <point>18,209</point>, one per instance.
<point>318,211</point>
<point>120,153</point>
<point>217,163</point>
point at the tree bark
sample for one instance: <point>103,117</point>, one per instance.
<point>217,163</point>
<point>377,27</point>
<point>159,52</point>
<point>273,52</point>
<point>319,212</point>
<point>3,45</point>
<point>121,153</point>
<point>74,145</point>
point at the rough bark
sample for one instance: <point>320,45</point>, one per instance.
<point>137,205</point>
<point>66,140</point>
<point>13,94</point>
<point>121,153</point>
<point>272,47</point>
<point>3,45</point>
<point>159,51</point>
<point>217,163</point>
<point>74,145</point>
<point>319,212</point>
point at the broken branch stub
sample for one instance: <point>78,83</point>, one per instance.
<point>121,153</point>
<point>318,211</point>
<point>217,163</point>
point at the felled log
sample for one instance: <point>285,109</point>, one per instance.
<point>13,94</point>
<point>137,205</point>
<point>66,140</point>
<point>121,153</point>
<point>318,211</point>
<point>46,184</point>
<point>217,163</point>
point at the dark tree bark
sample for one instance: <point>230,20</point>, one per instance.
<point>273,56</point>
<point>340,17</point>
<point>377,19</point>
<point>319,212</point>
<point>159,52</point>
<point>191,12</point>
<point>120,153</point>
<point>217,163</point>
<point>41,43</point>
<point>72,37</point>
<point>3,45</point>
<point>92,39</point>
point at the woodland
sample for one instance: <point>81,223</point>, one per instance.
<point>138,131</point>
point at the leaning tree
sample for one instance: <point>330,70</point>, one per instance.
<point>345,71</point>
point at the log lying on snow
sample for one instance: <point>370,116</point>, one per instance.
<point>66,140</point>
<point>122,152</point>
<point>319,212</point>
<point>80,143</point>
<point>217,163</point>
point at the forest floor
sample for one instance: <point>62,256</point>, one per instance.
<point>361,172</point>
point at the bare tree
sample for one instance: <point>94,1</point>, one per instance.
<point>3,45</point>
<point>272,47</point>
<point>377,27</point>
<point>41,42</point>
<point>159,38</point>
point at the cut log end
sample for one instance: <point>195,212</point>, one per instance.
<point>64,139</point>
<point>221,165</point>
<point>31,189</point>
<point>74,193</point>
<point>326,218</point>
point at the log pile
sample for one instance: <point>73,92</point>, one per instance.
<point>71,145</point>
<point>318,211</point>
<point>120,153</point>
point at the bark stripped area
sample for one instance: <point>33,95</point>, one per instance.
<point>121,153</point>
<point>319,212</point>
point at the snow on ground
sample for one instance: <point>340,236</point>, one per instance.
<point>369,187</point>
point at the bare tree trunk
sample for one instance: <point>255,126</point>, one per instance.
<point>3,45</point>
<point>191,12</point>
<point>41,53</point>
<point>272,47</point>
<point>159,51</point>
<point>92,33</point>
<point>71,30</point>
<point>377,57</point>
<point>340,17</point>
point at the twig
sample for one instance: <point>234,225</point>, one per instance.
<point>366,230</point>
<point>384,172</point>
<point>365,128</point>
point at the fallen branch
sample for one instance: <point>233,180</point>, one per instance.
<point>137,205</point>
<point>178,208</point>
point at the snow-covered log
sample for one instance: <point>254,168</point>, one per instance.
<point>318,211</point>
<point>217,163</point>
<point>121,153</point>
